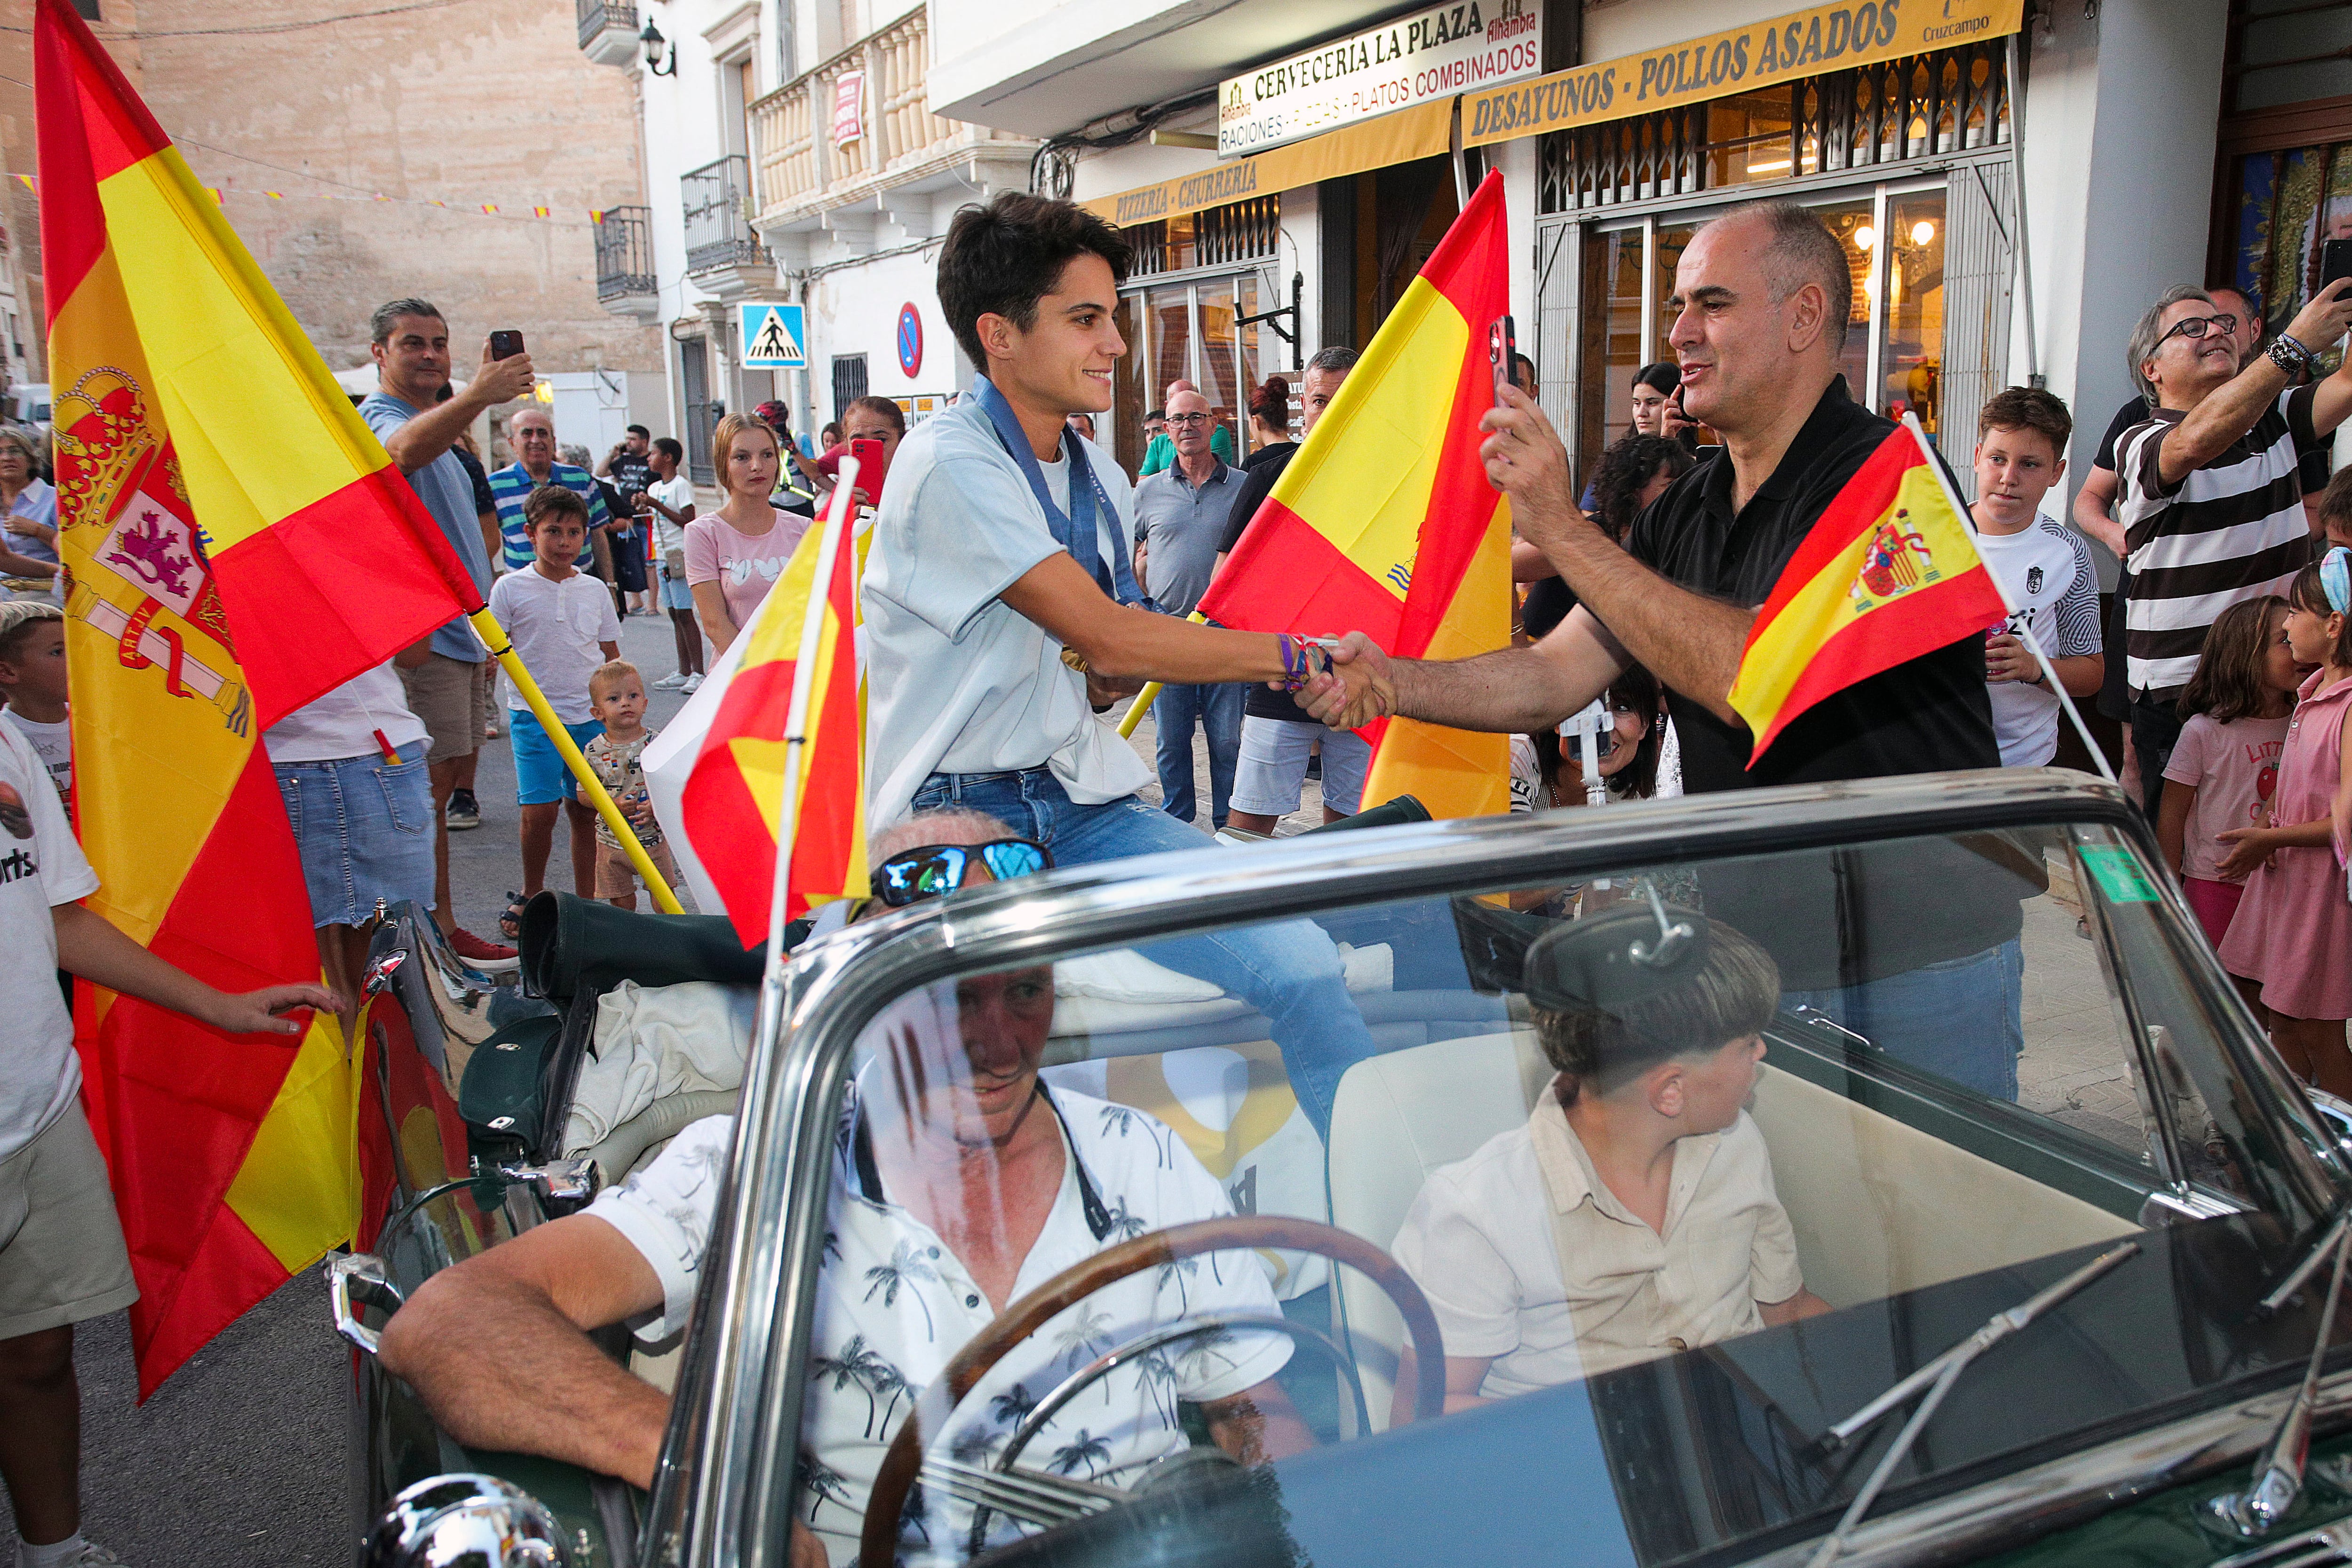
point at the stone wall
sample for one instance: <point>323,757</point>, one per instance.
<point>458,102</point>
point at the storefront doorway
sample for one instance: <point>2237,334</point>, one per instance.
<point>1196,277</point>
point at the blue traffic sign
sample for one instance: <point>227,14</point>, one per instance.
<point>773,336</point>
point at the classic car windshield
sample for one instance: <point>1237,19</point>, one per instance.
<point>1687,1162</point>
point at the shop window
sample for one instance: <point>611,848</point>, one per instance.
<point>1911,364</point>
<point>1948,102</point>
<point>1241,231</point>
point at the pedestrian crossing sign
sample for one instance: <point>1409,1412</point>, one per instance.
<point>771,337</point>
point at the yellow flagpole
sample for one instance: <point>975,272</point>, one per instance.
<point>1151,693</point>
<point>493,637</point>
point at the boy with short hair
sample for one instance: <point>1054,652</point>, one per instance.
<point>563,625</point>
<point>617,693</point>
<point>33,684</point>
<point>2020,454</point>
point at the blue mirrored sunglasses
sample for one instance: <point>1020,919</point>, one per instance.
<point>937,869</point>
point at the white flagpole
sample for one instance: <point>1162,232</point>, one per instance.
<point>771,979</point>
<point>2024,631</point>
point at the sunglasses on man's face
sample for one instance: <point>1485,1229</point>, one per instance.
<point>937,869</point>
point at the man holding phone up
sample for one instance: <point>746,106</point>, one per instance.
<point>2211,495</point>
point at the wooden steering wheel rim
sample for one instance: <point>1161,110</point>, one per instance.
<point>879,1538</point>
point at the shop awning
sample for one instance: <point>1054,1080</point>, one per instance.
<point>1763,54</point>
<point>1421,132</point>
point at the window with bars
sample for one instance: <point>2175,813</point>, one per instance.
<point>1870,117</point>
<point>1237,233</point>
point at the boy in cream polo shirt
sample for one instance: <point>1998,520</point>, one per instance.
<point>1633,1216</point>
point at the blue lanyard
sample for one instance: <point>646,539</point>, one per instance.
<point>1077,532</point>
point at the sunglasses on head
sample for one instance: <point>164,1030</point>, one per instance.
<point>937,869</point>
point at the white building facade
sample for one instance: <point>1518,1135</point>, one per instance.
<point>791,159</point>
<point>2163,142</point>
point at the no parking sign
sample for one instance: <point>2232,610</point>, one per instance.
<point>910,339</point>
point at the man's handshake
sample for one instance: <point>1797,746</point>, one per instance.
<point>1358,687</point>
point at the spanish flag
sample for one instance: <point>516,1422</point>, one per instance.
<point>717,774</point>
<point>1888,572</point>
<point>236,543</point>
<point>1384,522</point>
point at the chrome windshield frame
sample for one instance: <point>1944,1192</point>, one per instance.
<point>724,1489</point>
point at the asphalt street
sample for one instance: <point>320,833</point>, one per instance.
<point>239,1460</point>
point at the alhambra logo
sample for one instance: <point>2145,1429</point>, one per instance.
<point>1894,561</point>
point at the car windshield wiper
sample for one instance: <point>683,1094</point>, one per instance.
<point>1942,1374</point>
<point>2278,1476</point>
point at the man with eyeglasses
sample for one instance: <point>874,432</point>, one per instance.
<point>1180,518</point>
<point>2210,489</point>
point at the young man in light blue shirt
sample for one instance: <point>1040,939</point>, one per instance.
<point>1001,610</point>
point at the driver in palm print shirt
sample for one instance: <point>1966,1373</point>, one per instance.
<point>961,1183</point>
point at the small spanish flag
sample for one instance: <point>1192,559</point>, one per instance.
<point>1888,572</point>
<point>538,212</point>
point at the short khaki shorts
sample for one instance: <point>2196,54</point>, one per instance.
<point>616,878</point>
<point>61,1254</point>
<point>441,693</point>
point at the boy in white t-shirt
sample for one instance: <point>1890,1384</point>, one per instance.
<point>62,1259</point>
<point>33,684</point>
<point>2022,439</point>
<point>668,501</point>
<point>563,625</point>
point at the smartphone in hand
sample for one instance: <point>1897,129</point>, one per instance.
<point>506,342</point>
<point>1501,348</point>
<point>2334,260</point>
<point>870,465</point>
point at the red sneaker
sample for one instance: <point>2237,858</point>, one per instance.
<point>486,956</point>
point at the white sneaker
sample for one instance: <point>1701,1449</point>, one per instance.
<point>671,682</point>
<point>693,683</point>
<point>92,1555</point>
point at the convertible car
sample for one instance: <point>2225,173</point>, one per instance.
<point>2071,1234</point>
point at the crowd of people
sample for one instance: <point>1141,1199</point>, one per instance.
<point>1021,584</point>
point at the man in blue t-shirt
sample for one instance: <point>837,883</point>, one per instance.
<point>532,434</point>
<point>419,428</point>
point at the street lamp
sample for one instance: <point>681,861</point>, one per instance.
<point>651,37</point>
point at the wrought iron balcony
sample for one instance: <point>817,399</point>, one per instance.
<point>625,284</point>
<point>608,31</point>
<point>719,234</point>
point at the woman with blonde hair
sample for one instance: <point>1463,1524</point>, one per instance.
<point>28,554</point>
<point>734,555</point>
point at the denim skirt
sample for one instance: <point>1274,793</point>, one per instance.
<point>364,829</point>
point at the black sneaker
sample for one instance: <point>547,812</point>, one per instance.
<point>463,812</point>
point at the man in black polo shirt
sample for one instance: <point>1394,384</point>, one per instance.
<point>1913,945</point>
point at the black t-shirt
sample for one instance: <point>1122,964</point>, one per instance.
<point>483,499</point>
<point>1927,714</point>
<point>2130,413</point>
<point>1272,452</point>
<point>1257,483</point>
<point>631,473</point>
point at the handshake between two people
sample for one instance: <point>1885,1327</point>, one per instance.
<point>1526,460</point>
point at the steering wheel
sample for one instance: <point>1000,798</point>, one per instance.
<point>1051,1499</point>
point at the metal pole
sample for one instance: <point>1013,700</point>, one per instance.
<point>2033,376</point>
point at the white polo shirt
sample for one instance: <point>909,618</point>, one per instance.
<point>958,680</point>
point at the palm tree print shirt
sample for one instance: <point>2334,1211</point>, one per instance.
<point>895,1304</point>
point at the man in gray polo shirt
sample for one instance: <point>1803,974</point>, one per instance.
<point>1180,518</point>
<point>411,345</point>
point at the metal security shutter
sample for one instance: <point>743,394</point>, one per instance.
<point>848,383</point>
<point>693,388</point>
<point>1555,335</point>
<point>1979,274</point>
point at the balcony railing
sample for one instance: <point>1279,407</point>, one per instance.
<point>802,168</point>
<point>608,30</point>
<point>624,254</point>
<point>718,233</point>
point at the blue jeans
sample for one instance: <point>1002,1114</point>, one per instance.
<point>1217,709</point>
<point>1289,970</point>
<point>363,828</point>
<point>1961,1019</point>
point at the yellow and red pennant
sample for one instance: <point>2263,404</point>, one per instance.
<point>719,770</point>
<point>236,543</point>
<point>1888,572</point>
<point>1384,522</point>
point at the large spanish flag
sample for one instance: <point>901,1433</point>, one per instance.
<point>236,543</point>
<point>717,774</point>
<point>1888,572</point>
<point>1384,522</point>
